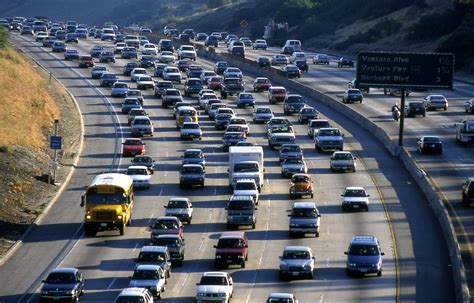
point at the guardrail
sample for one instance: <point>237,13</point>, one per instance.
<point>428,189</point>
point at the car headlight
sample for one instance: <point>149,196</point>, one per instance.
<point>351,264</point>
<point>119,217</point>
<point>201,294</point>
<point>88,217</point>
<point>240,256</point>
<point>293,225</point>
<point>70,292</point>
<point>44,292</point>
<point>283,265</point>
<point>153,288</point>
<point>222,294</point>
<point>218,257</point>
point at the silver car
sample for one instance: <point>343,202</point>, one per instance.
<point>343,161</point>
<point>180,208</point>
<point>355,198</point>
<point>151,277</point>
<point>293,165</point>
<point>297,261</point>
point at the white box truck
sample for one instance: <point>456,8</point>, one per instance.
<point>246,162</point>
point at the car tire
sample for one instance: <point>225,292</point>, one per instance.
<point>121,230</point>
<point>317,234</point>
<point>379,274</point>
<point>282,276</point>
<point>348,273</point>
<point>242,265</point>
<point>90,232</point>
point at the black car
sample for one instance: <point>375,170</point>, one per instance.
<point>107,56</point>
<point>345,62</point>
<point>191,174</point>
<point>291,71</point>
<point>211,41</point>
<point>108,79</point>
<point>147,61</point>
<point>302,65</point>
<point>263,62</point>
<point>71,54</point>
<point>429,144</point>
<point>292,104</point>
<point>193,86</point>
<point>232,138</point>
<point>144,161</point>
<point>231,86</point>
<point>72,38</point>
<point>468,191</point>
<point>415,108</point>
<point>62,284</point>
<point>220,67</point>
<point>159,68</point>
<point>352,95</point>
<point>287,50</point>
<point>127,68</point>
<point>238,51</point>
<point>176,247</point>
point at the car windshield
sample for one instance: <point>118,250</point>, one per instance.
<point>177,204</point>
<point>364,250</point>
<point>190,126</point>
<point>279,91</point>
<point>294,148</point>
<point>209,280</point>
<point>150,257</point>
<point>355,193</point>
<point>96,68</point>
<point>60,278</point>
<point>191,170</point>
<point>342,156</point>
<point>165,85</point>
<point>131,102</point>
<point>281,129</point>
<point>245,186</point>
<point>245,167</point>
<point>416,104</point>
<point>230,243</point>
<point>216,79</point>
<point>329,132</point>
<point>238,121</point>
<point>145,79</point>
<point>134,93</point>
<point>264,110</point>
<point>308,110</point>
<point>173,242</point>
<point>233,136</point>
<point>130,299</point>
<point>431,140</point>
<point>165,224</point>
<point>319,124</point>
<point>299,178</point>
<point>145,275</point>
<point>142,160</point>
<point>192,154</point>
<point>241,205</point>
<point>106,198</point>
<point>293,161</point>
<point>141,122</point>
<point>280,300</point>
<point>136,171</point>
<point>172,70</point>
<point>170,92</point>
<point>292,254</point>
<point>120,85</point>
<point>353,92</point>
<point>304,213</point>
<point>133,142</point>
<point>294,99</point>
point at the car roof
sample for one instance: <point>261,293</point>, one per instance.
<point>147,267</point>
<point>154,248</point>
<point>168,236</point>
<point>355,188</point>
<point>364,239</point>
<point>194,165</point>
<point>215,274</point>
<point>169,218</point>
<point>232,234</point>
<point>304,205</point>
<point>281,295</point>
<point>133,291</point>
<point>137,167</point>
<point>193,150</point>
<point>342,152</point>
<point>297,248</point>
<point>69,270</point>
<point>178,199</point>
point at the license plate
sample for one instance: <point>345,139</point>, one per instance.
<point>103,224</point>
<point>229,261</point>
<point>432,145</point>
<point>295,273</point>
<point>356,206</point>
<point>363,270</point>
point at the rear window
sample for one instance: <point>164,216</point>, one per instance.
<point>304,213</point>
<point>363,250</point>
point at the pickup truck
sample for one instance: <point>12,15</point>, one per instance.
<point>329,138</point>
<point>465,131</point>
<point>231,86</point>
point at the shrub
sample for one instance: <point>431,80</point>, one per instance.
<point>434,25</point>
<point>3,38</point>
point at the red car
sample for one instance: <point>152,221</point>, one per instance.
<point>276,94</point>
<point>215,83</point>
<point>261,84</point>
<point>133,147</point>
<point>86,61</point>
<point>167,226</point>
<point>183,65</point>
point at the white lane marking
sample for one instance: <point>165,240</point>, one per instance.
<point>111,283</point>
<point>262,253</point>
<point>321,298</point>
<point>166,166</point>
<point>328,262</point>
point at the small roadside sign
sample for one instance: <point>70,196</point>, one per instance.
<point>55,142</point>
<point>244,23</point>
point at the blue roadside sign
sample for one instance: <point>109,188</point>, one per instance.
<point>55,142</point>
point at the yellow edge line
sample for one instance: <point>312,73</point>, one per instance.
<point>446,202</point>
<point>390,225</point>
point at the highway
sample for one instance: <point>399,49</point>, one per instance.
<point>106,260</point>
<point>447,171</point>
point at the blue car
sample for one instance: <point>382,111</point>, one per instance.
<point>245,99</point>
<point>364,256</point>
<point>194,156</point>
<point>119,89</point>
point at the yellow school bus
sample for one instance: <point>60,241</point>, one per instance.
<point>109,203</point>
<point>186,114</point>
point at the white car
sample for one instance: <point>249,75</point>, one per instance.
<point>172,74</point>
<point>262,114</point>
<point>137,72</point>
<point>233,72</point>
<point>191,130</point>
<point>142,126</point>
<point>260,44</point>
<point>247,187</point>
<point>145,82</point>
<point>214,287</point>
<point>119,47</point>
<point>187,51</point>
<point>278,297</point>
<point>149,49</point>
<point>180,208</point>
<point>140,175</point>
<point>204,98</point>
<point>355,198</point>
<point>241,122</point>
<point>151,277</point>
<point>167,57</point>
<point>298,56</point>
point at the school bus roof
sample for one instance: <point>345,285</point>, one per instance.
<point>112,179</point>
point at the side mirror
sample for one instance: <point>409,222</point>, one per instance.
<point>289,215</point>
<point>345,253</point>
<point>83,200</point>
<point>165,206</point>
<point>197,284</point>
<point>43,281</point>
<point>313,258</point>
<point>355,158</point>
<point>256,208</point>
<point>215,246</point>
<point>342,195</point>
<point>382,253</point>
<point>367,195</point>
<point>129,277</point>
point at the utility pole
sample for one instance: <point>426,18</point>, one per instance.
<point>402,117</point>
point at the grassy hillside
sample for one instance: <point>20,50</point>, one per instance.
<point>23,97</point>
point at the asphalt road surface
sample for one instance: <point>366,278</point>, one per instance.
<point>106,260</point>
